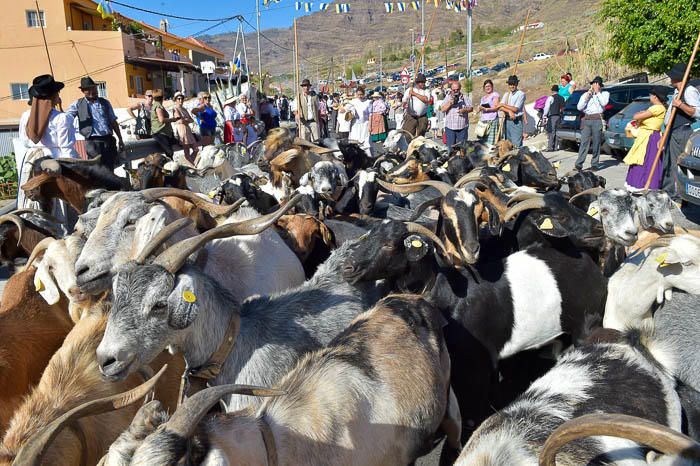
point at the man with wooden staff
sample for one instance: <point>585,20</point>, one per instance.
<point>688,112</point>
<point>415,103</point>
<point>305,108</point>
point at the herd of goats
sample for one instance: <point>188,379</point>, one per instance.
<point>303,304</point>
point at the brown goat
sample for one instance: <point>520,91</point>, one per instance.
<point>30,333</point>
<point>411,171</point>
<point>47,186</point>
<point>309,238</point>
<point>71,378</point>
<point>16,244</point>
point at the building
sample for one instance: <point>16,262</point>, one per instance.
<point>125,57</point>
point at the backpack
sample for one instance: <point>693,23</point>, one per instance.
<point>143,123</point>
<point>540,103</point>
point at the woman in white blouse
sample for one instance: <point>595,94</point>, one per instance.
<point>44,128</point>
<point>360,125</point>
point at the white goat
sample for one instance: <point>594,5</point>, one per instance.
<point>646,277</point>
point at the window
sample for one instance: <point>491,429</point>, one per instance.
<point>619,97</point>
<point>101,89</point>
<point>19,91</point>
<point>637,93</point>
<point>35,20</point>
<point>139,84</point>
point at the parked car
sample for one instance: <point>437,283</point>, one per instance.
<point>569,127</point>
<point>380,89</point>
<point>438,81</point>
<point>500,67</point>
<point>615,136</point>
<point>541,56</point>
<point>394,88</point>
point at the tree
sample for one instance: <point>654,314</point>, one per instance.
<point>652,34</point>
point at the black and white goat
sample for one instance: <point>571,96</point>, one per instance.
<point>626,374</point>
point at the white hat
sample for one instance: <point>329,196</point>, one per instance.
<point>178,94</point>
<point>231,100</point>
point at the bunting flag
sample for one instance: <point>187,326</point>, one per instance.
<point>266,3</point>
<point>389,7</point>
<point>297,5</point>
<point>415,5</point>
<point>323,6</point>
<point>402,6</point>
<point>458,8</point>
<point>338,8</point>
<point>104,8</point>
<point>307,6</point>
<point>346,7</point>
<point>472,3</point>
<point>437,3</point>
<point>449,5</point>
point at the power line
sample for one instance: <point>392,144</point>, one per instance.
<point>166,15</point>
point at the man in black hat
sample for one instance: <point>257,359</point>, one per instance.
<point>552,112</point>
<point>96,122</point>
<point>305,108</point>
<point>513,105</point>
<point>416,102</point>
<point>592,104</point>
<point>688,112</point>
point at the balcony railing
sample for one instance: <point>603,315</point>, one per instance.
<point>141,47</point>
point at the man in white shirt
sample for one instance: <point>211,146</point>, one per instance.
<point>592,104</point>
<point>688,112</point>
<point>512,105</point>
<point>305,108</point>
<point>416,100</point>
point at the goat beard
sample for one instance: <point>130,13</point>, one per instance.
<point>38,119</point>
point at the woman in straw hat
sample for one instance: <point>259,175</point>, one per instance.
<point>377,119</point>
<point>345,116</point>
<point>230,116</point>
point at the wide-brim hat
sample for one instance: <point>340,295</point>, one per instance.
<point>513,80</point>
<point>661,92</point>
<point>305,82</point>
<point>231,100</point>
<point>45,86</point>
<point>376,94</point>
<point>87,83</point>
<point>598,80</point>
<point>677,72</point>
<point>178,94</point>
<point>349,116</point>
<point>420,78</point>
<point>157,93</point>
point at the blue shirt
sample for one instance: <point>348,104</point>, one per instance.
<point>207,118</point>
<point>101,121</point>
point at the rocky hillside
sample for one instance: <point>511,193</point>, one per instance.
<point>323,35</point>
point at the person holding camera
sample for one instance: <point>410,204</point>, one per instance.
<point>592,104</point>
<point>456,107</point>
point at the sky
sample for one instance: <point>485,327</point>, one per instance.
<point>276,15</point>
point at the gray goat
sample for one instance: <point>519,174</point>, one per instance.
<point>620,373</point>
<point>376,395</point>
<point>164,304</point>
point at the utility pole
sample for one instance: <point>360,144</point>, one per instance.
<point>422,33</point>
<point>257,16</point>
<point>469,40</point>
<point>381,69</point>
<point>413,51</point>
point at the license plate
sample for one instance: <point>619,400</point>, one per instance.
<point>611,141</point>
<point>569,118</point>
<point>692,190</point>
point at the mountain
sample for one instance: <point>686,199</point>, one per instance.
<point>326,35</point>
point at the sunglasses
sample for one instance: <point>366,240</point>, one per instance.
<point>179,98</point>
<point>208,97</point>
<point>305,85</point>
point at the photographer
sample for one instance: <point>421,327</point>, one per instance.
<point>456,107</point>
<point>592,104</point>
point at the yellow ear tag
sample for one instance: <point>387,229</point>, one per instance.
<point>556,165</point>
<point>416,243</point>
<point>662,259</point>
<point>211,194</point>
<point>592,211</point>
<point>444,165</point>
<point>189,297</point>
<point>38,284</point>
<point>506,167</point>
<point>547,224</point>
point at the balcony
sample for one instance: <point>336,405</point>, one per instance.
<point>143,46</point>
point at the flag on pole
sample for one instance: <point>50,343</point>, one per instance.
<point>323,6</point>
<point>389,7</point>
<point>402,6</point>
<point>307,6</point>
<point>415,5</point>
<point>105,10</point>
<point>297,5</point>
<point>236,65</point>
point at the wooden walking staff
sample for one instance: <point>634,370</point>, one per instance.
<point>501,121</point>
<point>296,75</point>
<point>664,137</point>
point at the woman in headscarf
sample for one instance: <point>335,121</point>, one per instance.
<point>377,119</point>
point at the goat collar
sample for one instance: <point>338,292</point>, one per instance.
<point>212,368</point>
<point>269,441</point>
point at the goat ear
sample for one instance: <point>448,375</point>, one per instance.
<point>46,286</point>
<point>416,247</point>
<point>183,304</point>
<point>495,223</point>
<point>304,180</point>
<point>646,220</point>
<point>549,225</point>
<point>343,177</point>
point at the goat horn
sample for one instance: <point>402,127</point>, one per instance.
<point>68,160</point>
<point>153,194</point>
<point>597,190</point>
<point>163,235</point>
<point>175,256</point>
<point>38,212</point>
<point>537,203</point>
<point>19,223</point>
<point>406,133</point>
<point>33,450</point>
<point>185,419</point>
<point>40,247</point>
<point>314,147</point>
<point>639,430</point>
<point>421,230</point>
<point>473,175</point>
<point>523,197</point>
<point>410,188</point>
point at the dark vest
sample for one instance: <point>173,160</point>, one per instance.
<point>85,116</point>
<point>556,106</point>
<point>681,118</point>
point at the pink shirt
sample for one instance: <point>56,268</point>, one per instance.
<point>491,99</point>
